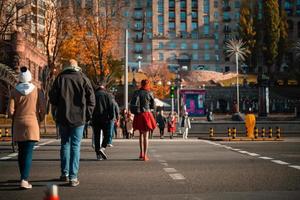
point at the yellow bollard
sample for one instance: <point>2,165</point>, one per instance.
<point>229,132</point>
<point>263,132</point>
<point>6,132</point>
<point>278,132</point>
<point>233,133</point>
<point>0,133</point>
<point>255,132</point>
<point>211,132</point>
<point>270,132</point>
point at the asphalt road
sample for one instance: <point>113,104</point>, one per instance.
<point>193,169</point>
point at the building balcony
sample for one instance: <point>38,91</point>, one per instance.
<point>140,28</point>
<point>137,39</point>
<point>137,17</point>
<point>137,51</point>
<point>227,30</point>
<point>226,9</point>
<point>138,7</point>
<point>226,19</point>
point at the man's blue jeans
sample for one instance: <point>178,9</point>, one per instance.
<point>70,150</point>
<point>25,158</point>
<point>111,131</point>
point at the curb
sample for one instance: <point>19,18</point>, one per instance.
<point>240,139</point>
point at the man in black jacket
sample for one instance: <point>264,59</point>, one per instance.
<point>102,118</point>
<point>73,97</point>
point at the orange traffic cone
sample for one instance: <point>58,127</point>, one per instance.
<point>51,193</point>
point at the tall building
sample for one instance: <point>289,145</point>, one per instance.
<point>187,33</point>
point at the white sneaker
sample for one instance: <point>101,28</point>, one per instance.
<point>25,184</point>
<point>110,145</point>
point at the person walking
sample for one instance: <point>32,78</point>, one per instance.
<point>73,96</point>
<point>123,123</point>
<point>129,125</point>
<point>171,124</point>
<point>113,122</point>
<point>27,108</point>
<point>185,125</point>
<point>103,117</point>
<point>143,120</point>
<point>161,121</point>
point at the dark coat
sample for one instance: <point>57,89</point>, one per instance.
<point>73,97</point>
<point>104,110</point>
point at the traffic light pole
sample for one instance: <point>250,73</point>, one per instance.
<point>172,105</point>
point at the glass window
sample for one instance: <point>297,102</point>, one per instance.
<point>182,4</point>
<point>206,19</point>
<point>138,47</point>
<point>195,34</point>
<point>149,3</point>
<point>195,46</point>
<point>216,47</point>
<point>216,15</point>
<point>171,14</point>
<point>160,7</point>
<point>206,6</point>
<point>206,56</point>
<point>149,36</point>
<point>216,3</point>
<point>172,45</point>
<point>206,30</point>
<point>149,25</point>
<point>160,19</point>
<point>194,15</point>
<point>183,45</point>
<point>216,26</point>
<point>172,56</point>
<point>182,16</point>
<point>194,26</point>
<point>160,45</point>
<point>160,28</point>
<point>195,56</point>
<point>237,4</point>
<point>149,13</point>
<point>172,3</point>
<point>172,25</point>
<point>172,34</point>
<point>206,45</point>
<point>237,16</point>
<point>183,26</point>
<point>194,4</point>
<point>161,56</point>
<point>148,47</point>
<point>216,36</point>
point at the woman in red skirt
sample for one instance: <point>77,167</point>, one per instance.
<point>144,120</point>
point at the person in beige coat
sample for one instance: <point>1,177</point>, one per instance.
<point>26,106</point>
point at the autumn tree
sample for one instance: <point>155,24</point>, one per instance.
<point>99,29</point>
<point>247,30</point>
<point>159,75</point>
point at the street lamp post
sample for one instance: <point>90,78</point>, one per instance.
<point>237,82</point>
<point>139,59</point>
<point>126,71</point>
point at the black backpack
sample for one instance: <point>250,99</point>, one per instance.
<point>135,105</point>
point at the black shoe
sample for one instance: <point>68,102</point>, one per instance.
<point>99,157</point>
<point>64,178</point>
<point>102,153</point>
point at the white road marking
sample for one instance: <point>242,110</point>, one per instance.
<point>35,147</point>
<point>170,170</point>
<point>235,149</point>
<point>162,161</point>
<point>266,158</point>
<point>177,176</point>
<point>44,143</point>
<point>5,158</point>
<point>253,154</point>
<point>12,155</point>
<point>244,152</point>
<point>295,166</point>
<point>279,162</point>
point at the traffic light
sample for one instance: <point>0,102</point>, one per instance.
<point>172,91</point>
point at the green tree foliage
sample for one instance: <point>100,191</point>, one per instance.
<point>272,21</point>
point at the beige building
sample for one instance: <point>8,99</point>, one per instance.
<point>187,33</point>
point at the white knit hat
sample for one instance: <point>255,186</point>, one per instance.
<point>25,75</point>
